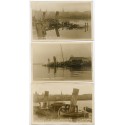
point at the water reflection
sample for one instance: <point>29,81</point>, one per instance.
<point>58,27</point>
<point>76,29</point>
<point>56,73</point>
<point>71,69</point>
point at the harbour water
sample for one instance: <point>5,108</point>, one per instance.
<point>75,33</point>
<point>46,73</point>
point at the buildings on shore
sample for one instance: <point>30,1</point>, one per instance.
<point>60,97</point>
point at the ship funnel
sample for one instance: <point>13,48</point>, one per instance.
<point>46,99</point>
<point>44,14</point>
<point>74,100</point>
<point>57,14</point>
<point>74,96</point>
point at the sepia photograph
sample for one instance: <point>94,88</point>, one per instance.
<point>64,61</point>
<point>61,20</point>
<point>62,102</point>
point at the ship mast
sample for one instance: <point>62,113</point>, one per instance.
<point>62,52</point>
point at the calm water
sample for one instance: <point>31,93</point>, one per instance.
<point>44,73</point>
<point>53,118</point>
<point>67,34</point>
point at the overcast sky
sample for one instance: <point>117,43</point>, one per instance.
<point>65,88</point>
<point>43,51</point>
<point>58,6</point>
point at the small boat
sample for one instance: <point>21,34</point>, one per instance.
<point>49,110</point>
<point>65,111</point>
<point>42,111</point>
<point>56,106</point>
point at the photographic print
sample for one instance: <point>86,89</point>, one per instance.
<point>62,102</point>
<point>61,20</point>
<point>64,61</point>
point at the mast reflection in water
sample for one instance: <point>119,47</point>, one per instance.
<point>58,73</point>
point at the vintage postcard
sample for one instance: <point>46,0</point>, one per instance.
<point>64,61</point>
<point>67,20</point>
<point>62,103</point>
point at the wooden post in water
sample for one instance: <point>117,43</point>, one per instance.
<point>41,26</point>
<point>85,27</point>
<point>46,99</point>
<point>54,59</point>
<point>57,22</point>
<point>48,65</point>
<point>74,100</point>
<point>48,62</point>
<point>55,64</point>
